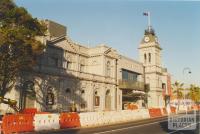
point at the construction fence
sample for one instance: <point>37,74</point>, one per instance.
<point>32,120</point>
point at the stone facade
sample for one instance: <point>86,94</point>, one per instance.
<point>90,78</point>
<point>155,75</point>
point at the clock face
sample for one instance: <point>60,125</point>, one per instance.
<point>146,39</point>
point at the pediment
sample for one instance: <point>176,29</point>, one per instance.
<point>112,53</point>
<point>66,45</point>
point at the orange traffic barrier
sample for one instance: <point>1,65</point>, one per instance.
<point>132,107</point>
<point>155,112</point>
<point>17,123</point>
<point>196,107</point>
<point>173,109</point>
<point>69,120</point>
<point>29,111</point>
<point>0,126</point>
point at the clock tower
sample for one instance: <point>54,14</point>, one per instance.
<point>150,56</point>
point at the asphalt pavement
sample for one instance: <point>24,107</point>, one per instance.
<point>148,126</point>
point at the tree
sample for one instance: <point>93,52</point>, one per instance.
<point>194,93</point>
<point>18,44</point>
<point>178,91</point>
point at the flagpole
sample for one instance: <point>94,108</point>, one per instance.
<point>149,21</point>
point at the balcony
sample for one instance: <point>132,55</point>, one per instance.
<point>132,85</point>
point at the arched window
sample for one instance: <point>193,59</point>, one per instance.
<point>149,57</point>
<point>69,63</point>
<point>108,68</point>
<point>145,58</point>
<point>108,92</point>
<point>83,103</point>
<point>96,99</point>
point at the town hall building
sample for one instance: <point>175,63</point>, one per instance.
<point>71,76</point>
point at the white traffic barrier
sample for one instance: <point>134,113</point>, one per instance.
<point>110,117</point>
<point>46,122</point>
<point>144,113</point>
<point>84,119</point>
<point>96,117</point>
<point>89,119</point>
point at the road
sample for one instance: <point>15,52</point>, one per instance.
<point>148,126</point>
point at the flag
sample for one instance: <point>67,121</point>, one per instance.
<point>146,14</point>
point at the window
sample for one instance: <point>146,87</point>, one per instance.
<point>82,91</point>
<point>69,63</point>
<point>50,97</point>
<point>163,86</point>
<point>149,57</point>
<point>96,99</point>
<point>83,105</point>
<point>128,75</point>
<point>145,58</point>
<point>124,75</point>
<point>108,92</point>
<point>108,69</point>
<point>82,68</point>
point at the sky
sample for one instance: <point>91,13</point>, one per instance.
<point>120,24</point>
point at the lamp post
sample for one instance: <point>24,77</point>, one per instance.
<point>188,72</point>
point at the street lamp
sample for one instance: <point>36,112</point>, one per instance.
<point>189,72</point>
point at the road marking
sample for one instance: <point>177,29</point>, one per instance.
<point>129,127</point>
<point>139,126</point>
